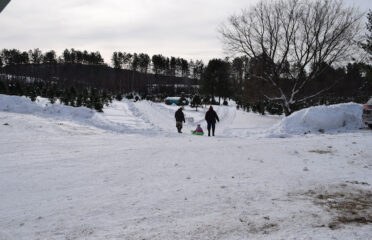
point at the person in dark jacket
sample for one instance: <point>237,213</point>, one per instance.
<point>211,117</point>
<point>180,117</point>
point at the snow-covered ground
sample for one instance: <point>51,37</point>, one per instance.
<point>71,173</point>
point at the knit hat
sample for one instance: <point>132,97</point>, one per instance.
<point>210,108</point>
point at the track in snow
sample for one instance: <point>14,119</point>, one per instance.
<point>142,117</point>
<point>149,117</point>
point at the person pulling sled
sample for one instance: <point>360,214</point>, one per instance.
<point>211,118</point>
<point>180,117</point>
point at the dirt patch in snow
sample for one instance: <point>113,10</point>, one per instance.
<point>266,228</point>
<point>347,203</point>
<point>321,151</point>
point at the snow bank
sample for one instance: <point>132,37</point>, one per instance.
<point>42,107</point>
<point>81,115</point>
<point>334,118</point>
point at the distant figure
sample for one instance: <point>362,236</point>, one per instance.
<point>211,117</point>
<point>198,130</point>
<point>180,117</point>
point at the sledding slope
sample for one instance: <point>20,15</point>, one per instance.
<point>126,174</point>
<point>148,118</point>
<point>141,117</point>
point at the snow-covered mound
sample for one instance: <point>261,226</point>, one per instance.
<point>81,115</point>
<point>334,118</point>
<point>42,107</point>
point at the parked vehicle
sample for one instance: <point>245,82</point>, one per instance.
<point>180,101</point>
<point>367,113</point>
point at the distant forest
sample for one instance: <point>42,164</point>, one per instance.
<point>131,73</point>
<point>76,73</point>
<point>82,78</point>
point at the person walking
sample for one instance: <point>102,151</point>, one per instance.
<point>211,118</point>
<point>180,117</point>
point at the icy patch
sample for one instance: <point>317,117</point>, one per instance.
<point>321,119</point>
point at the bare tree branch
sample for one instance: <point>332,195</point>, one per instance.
<point>304,34</point>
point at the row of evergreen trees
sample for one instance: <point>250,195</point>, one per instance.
<point>141,62</point>
<point>237,79</point>
<point>158,64</point>
<point>89,97</point>
<point>9,57</point>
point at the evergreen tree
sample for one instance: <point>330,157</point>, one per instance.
<point>66,56</point>
<point>135,62</point>
<point>72,96</point>
<point>66,98</point>
<point>36,56</point>
<point>52,94</point>
<point>95,101</point>
<point>144,61</point>
<point>158,63</point>
<point>126,59</point>
<point>117,60</point>
<point>50,57</point>
<point>196,102</point>
<point>215,79</point>
<point>173,66</point>
<point>18,89</point>
<point>119,97</point>
<point>31,92</point>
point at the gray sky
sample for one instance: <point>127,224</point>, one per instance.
<point>181,28</point>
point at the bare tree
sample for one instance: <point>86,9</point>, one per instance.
<point>304,34</point>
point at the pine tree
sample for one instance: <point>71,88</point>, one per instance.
<point>52,94</point>
<point>119,97</point>
<point>18,89</point>
<point>72,96</point>
<point>196,102</point>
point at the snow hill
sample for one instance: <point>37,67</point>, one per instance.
<point>148,118</point>
<point>73,173</point>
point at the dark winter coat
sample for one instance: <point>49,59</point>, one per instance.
<point>180,117</point>
<point>211,116</point>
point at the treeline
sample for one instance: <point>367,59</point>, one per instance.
<point>76,97</point>
<point>158,64</point>
<point>80,78</point>
<point>10,57</point>
<point>239,79</point>
<point>34,72</point>
<point>142,62</point>
<point>259,83</point>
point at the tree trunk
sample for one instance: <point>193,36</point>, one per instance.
<point>286,109</point>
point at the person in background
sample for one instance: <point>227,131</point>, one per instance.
<point>180,117</point>
<point>211,118</point>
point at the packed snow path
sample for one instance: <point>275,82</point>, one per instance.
<point>125,174</point>
<point>233,123</point>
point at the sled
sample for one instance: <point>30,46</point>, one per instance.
<point>197,133</point>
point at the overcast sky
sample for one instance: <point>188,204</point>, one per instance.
<point>181,28</point>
